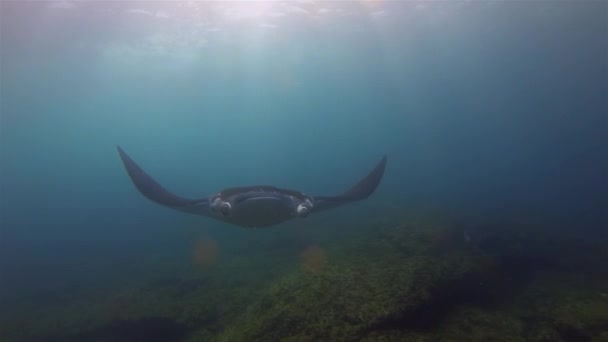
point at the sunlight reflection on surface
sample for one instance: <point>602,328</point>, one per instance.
<point>182,31</point>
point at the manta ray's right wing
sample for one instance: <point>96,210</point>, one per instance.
<point>148,187</point>
<point>360,191</point>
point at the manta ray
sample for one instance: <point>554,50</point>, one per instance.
<point>251,206</point>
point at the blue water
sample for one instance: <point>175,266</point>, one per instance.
<point>487,109</point>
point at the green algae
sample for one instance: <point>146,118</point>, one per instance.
<point>370,286</point>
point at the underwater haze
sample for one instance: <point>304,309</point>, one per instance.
<point>493,116</point>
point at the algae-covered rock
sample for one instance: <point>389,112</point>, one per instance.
<point>473,324</point>
<point>581,318</point>
<point>394,277</point>
<point>463,324</point>
<point>356,294</point>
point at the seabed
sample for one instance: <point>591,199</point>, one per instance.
<point>395,275</point>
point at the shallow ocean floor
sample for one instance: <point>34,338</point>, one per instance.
<point>396,277</point>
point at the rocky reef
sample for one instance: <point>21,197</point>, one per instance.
<point>396,277</point>
<point>384,279</point>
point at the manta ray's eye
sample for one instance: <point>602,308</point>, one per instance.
<point>225,209</point>
<point>303,210</point>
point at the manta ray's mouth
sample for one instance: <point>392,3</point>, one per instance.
<point>256,197</point>
<point>260,211</point>
<point>261,204</point>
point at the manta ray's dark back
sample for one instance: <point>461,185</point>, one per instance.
<point>254,205</point>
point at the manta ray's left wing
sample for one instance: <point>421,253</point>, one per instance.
<point>155,192</point>
<point>362,190</point>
